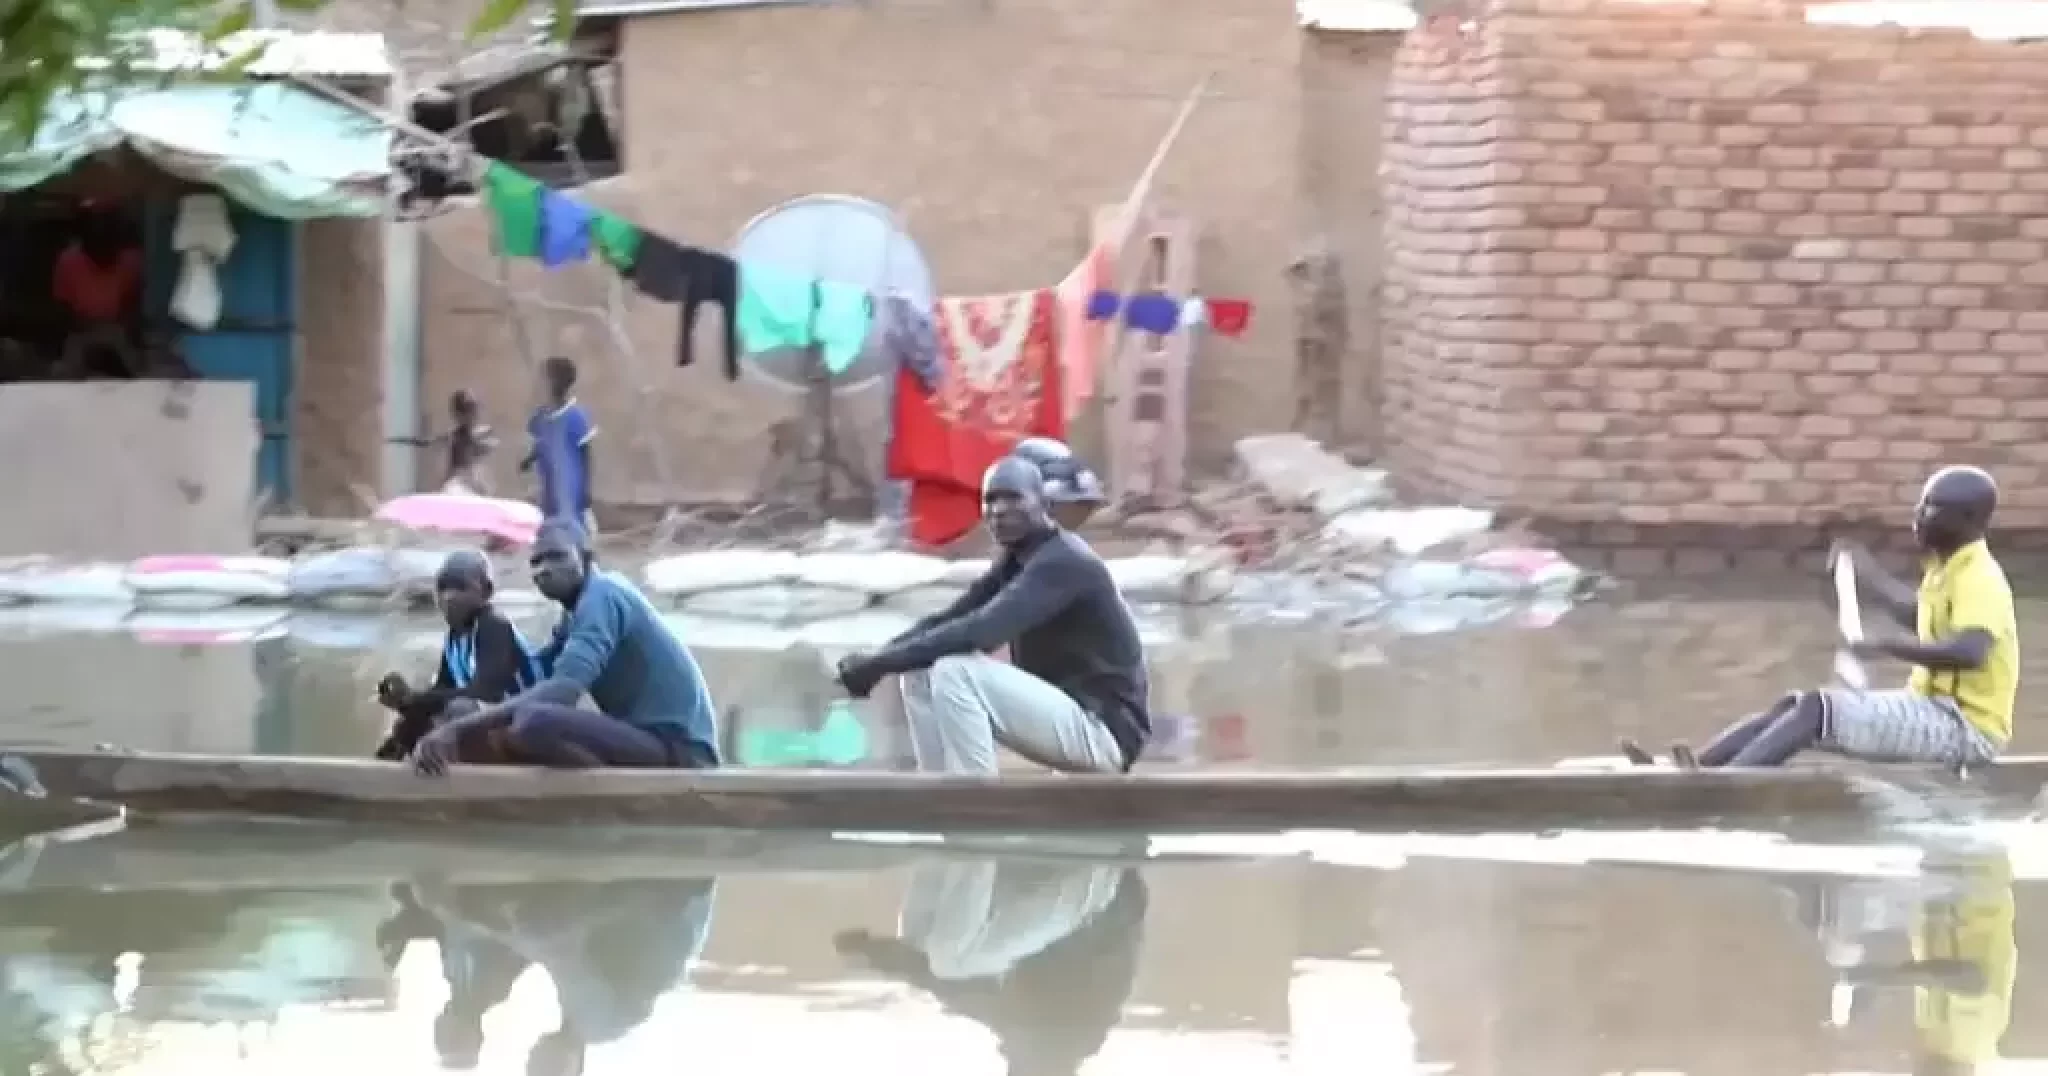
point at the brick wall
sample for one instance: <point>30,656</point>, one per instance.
<point>1660,266</point>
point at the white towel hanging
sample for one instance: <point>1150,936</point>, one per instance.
<point>203,238</point>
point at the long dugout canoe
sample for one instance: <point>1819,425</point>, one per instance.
<point>1185,802</point>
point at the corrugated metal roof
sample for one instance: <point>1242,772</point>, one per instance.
<point>1358,16</point>
<point>600,9</point>
<point>283,52</point>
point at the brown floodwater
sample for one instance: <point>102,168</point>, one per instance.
<point>992,965</point>
<point>1693,953</point>
<point>1229,693</point>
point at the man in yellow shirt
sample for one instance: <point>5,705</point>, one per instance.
<point>1957,709</point>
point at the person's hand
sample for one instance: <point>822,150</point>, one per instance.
<point>856,674</point>
<point>435,751</point>
<point>393,691</point>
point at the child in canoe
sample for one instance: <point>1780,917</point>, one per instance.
<point>483,661</point>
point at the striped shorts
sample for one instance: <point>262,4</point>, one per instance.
<point>1900,725</point>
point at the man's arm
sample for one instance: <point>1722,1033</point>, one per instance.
<point>1979,616</point>
<point>1897,598</point>
<point>974,597</point>
<point>1048,584</point>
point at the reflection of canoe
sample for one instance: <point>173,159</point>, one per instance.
<point>289,855</point>
<point>340,789</point>
<point>22,816</point>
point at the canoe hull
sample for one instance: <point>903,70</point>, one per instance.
<point>1209,802</point>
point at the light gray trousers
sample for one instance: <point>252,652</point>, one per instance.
<point>964,706</point>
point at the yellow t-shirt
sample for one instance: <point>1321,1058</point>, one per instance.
<point>1967,591</point>
<point>1976,928</point>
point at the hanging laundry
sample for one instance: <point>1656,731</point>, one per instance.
<point>999,382</point>
<point>1230,317</point>
<point>1155,314</point>
<point>1102,305</point>
<point>618,241</point>
<point>785,310</point>
<point>677,274</point>
<point>205,237</point>
<point>1080,341</point>
<point>908,339</point>
<point>1194,314</point>
<point>513,199</point>
<point>564,230</point>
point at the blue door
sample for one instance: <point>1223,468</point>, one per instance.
<point>253,341</point>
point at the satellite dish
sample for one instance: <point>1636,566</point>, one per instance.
<point>843,240</point>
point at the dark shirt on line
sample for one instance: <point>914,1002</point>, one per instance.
<point>1052,601</point>
<point>502,668</point>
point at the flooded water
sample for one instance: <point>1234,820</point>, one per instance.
<point>167,952</point>
<point>1229,694</point>
<point>1500,955</point>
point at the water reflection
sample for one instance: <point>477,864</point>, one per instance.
<point>981,963</point>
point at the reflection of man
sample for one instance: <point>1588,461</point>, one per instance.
<point>1963,964</point>
<point>612,949</point>
<point>1043,955</point>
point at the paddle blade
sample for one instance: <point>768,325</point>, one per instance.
<point>1851,672</point>
<point>1849,618</point>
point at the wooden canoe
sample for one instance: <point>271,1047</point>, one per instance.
<point>1202,802</point>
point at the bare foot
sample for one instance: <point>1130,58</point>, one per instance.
<point>1683,758</point>
<point>1634,753</point>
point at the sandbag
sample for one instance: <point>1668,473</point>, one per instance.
<point>776,603</point>
<point>201,582</point>
<point>880,574</point>
<point>867,630</point>
<point>1182,580</point>
<point>86,584</point>
<point>923,601</point>
<point>686,574</point>
<point>1408,531</point>
<point>331,579</point>
<point>1543,570</point>
<point>207,628</point>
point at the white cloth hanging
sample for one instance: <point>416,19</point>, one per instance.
<point>203,238</point>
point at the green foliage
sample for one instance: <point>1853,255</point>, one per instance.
<point>50,46</point>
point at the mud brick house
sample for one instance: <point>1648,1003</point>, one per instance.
<point>1711,272</point>
<point>995,129</point>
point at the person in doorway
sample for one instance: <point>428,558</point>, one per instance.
<point>1043,955</point>
<point>1957,710</point>
<point>1073,490</point>
<point>469,443</point>
<point>484,659</point>
<point>560,456</point>
<point>1073,698</point>
<point>97,281</point>
<point>653,708</point>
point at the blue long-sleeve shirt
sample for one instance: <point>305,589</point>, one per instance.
<point>615,647</point>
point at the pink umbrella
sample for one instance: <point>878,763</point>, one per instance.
<point>464,513</point>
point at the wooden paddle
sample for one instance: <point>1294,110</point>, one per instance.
<point>1849,617</point>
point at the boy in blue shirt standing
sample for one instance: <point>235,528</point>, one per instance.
<point>562,432</point>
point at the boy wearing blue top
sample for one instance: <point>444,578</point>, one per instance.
<point>653,710</point>
<point>483,660</point>
<point>560,456</point>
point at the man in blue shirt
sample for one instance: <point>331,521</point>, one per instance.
<point>561,432</point>
<point>653,708</point>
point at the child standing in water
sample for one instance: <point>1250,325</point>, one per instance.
<point>560,456</point>
<point>469,442</point>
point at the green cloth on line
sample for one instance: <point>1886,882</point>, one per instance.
<point>784,310</point>
<point>513,199</point>
<point>617,240</point>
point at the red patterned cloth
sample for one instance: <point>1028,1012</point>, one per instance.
<point>999,382</point>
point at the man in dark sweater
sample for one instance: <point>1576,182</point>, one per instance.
<point>1074,696</point>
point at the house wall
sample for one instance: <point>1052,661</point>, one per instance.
<point>339,389</point>
<point>993,129</point>
<point>177,476</point>
<point>1709,275</point>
